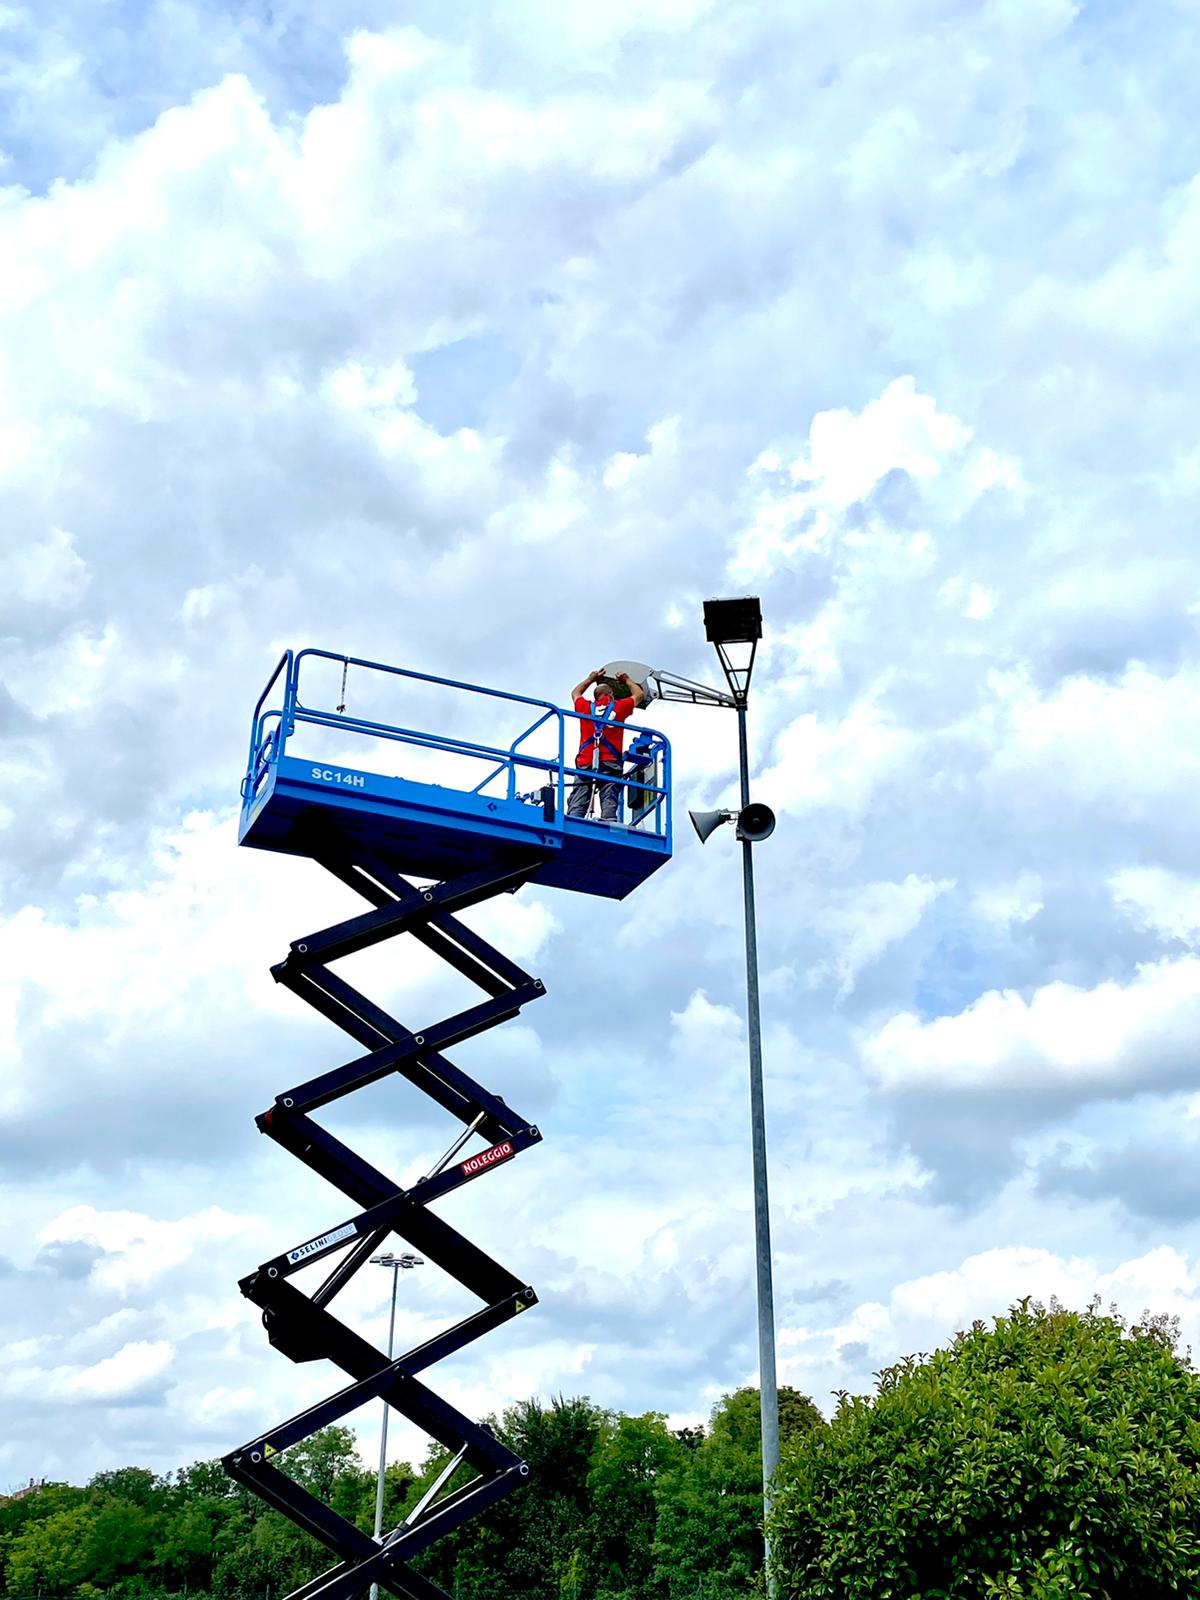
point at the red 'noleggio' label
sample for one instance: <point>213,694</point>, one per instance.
<point>486,1158</point>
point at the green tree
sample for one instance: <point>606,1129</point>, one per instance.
<point>35,1505</point>
<point>269,1552</point>
<point>183,1556</point>
<point>527,1544</point>
<point>323,1460</point>
<point>128,1508</point>
<point>50,1555</point>
<point>204,1480</point>
<point>202,1504</point>
<point>134,1486</point>
<point>121,1540</point>
<point>255,1548</point>
<point>709,1543</point>
<point>1052,1456</point>
<point>631,1457</point>
<point>356,1501</point>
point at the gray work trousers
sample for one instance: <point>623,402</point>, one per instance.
<point>580,796</point>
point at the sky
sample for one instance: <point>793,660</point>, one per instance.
<point>489,341</point>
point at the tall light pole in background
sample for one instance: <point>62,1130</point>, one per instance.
<point>736,625</point>
<point>398,1264</point>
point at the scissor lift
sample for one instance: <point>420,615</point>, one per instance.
<point>419,852</point>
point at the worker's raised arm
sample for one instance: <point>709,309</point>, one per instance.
<point>580,689</point>
<point>634,690</point>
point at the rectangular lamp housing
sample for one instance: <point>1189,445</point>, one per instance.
<point>733,621</point>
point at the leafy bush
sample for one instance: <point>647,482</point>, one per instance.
<point>1054,1456</point>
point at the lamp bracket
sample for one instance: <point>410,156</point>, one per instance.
<point>669,686</point>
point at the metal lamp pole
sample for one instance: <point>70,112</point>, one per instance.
<point>398,1264</point>
<point>739,623</point>
<point>767,1386</point>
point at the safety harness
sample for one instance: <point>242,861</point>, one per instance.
<point>590,748</point>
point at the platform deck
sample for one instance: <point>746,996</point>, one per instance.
<point>427,831</point>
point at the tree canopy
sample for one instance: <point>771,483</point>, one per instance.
<point>1054,1455</point>
<point>616,1508</point>
<point>622,1508</point>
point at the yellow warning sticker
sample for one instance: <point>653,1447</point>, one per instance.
<point>268,1451</point>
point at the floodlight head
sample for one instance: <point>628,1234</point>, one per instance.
<point>733,621</point>
<point>755,822</point>
<point>735,625</point>
<point>707,822</point>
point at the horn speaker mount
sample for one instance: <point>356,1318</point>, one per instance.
<point>755,822</point>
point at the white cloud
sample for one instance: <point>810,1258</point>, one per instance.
<point>923,1313</point>
<point>361,388</point>
<point>702,1028</point>
<point>1110,1040</point>
<point>133,1367</point>
<point>493,351</point>
<point>138,1249</point>
<point>862,923</point>
<point>837,764</point>
<point>132,1371</point>
<point>48,573</point>
<point>799,509</point>
<point>1009,904</point>
<point>1120,745</point>
<point>1165,902</point>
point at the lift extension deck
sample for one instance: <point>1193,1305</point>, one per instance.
<point>379,861</point>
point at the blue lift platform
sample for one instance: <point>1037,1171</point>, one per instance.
<point>510,810</point>
<point>464,819</point>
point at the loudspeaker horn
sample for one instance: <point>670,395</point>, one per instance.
<point>707,822</point>
<point>755,822</point>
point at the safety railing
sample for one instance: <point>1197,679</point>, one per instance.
<point>522,771</point>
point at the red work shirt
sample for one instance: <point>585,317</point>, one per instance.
<point>612,738</point>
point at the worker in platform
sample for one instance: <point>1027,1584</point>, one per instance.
<point>601,744</point>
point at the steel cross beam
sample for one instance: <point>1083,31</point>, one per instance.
<point>301,1325</point>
